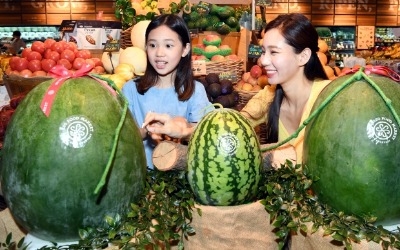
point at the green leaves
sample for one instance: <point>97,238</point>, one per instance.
<point>288,197</point>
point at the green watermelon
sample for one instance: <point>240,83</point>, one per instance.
<point>353,147</point>
<point>224,159</point>
<point>51,166</point>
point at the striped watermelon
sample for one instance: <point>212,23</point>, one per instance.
<point>353,146</point>
<point>52,165</point>
<point>224,159</point>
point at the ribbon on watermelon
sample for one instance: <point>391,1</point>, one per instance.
<point>379,70</point>
<point>61,74</point>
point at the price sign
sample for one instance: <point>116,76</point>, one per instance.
<point>112,46</point>
<point>255,51</point>
<point>67,26</point>
<point>199,67</point>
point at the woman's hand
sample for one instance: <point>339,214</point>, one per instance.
<point>161,125</point>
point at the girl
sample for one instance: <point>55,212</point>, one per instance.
<point>167,87</point>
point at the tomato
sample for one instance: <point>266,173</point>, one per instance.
<point>35,65</point>
<point>38,46</point>
<point>67,64</point>
<point>85,54</point>
<point>54,55</point>
<point>48,42</point>
<point>97,61</point>
<point>13,61</point>
<point>47,53</point>
<point>71,46</point>
<point>21,64</point>
<point>25,73</point>
<point>99,70</point>
<point>78,63</point>
<point>25,52</point>
<point>68,54</point>
<point>34,55</point>
<point>90,62</point>
<point>47,64</point>
<point>58,46</point>
<point>39,73</point>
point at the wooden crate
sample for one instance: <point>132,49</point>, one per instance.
<point>17,85</point>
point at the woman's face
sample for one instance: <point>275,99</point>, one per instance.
<point>278,58</point>
<point>165,50</point>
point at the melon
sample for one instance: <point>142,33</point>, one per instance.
<point>352,146</point>
<point>224,159</point>
<point>51,165</point>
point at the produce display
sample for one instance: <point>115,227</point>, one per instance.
<point>253,80</point>
<point>42,56</point>
<point>213,17</point>
<point>352,145</point>
<point>212,49</point>
<point>219,90</point>
<point>224,159</point>
<point>68,170</point>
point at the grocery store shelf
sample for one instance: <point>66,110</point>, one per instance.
<point>242,2</point>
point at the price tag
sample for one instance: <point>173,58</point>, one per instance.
<point>255,51</point>
<point>199,67</point>
<point>111,46</point>
<point>67,26</point>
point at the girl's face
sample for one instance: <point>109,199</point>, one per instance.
<point>278,58</point>
<point>165,50</point>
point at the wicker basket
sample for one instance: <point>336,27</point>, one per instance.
<point>125,40</point>
<point>17,85</point>
<point>230,67</point>
<point>245,96</point>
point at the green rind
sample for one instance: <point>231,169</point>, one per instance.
<point>355,174</point>
<point>219,178</point>
<point>49,186</point>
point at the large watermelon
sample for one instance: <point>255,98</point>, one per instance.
<point>51,166</point>
<point>224,159</point>
<point>353,147</point>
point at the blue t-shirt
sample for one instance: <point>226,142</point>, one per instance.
<point>165,100</point>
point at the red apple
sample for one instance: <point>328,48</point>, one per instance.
<point>256,71</point>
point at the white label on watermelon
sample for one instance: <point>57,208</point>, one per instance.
<point>228,144</point>
<point>381,130</point>
<point>75,131</point>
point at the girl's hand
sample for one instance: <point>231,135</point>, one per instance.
<point>163,125</point>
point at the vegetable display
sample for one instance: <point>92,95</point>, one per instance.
<point>68,170</point>
<point>352,145</point>
<point>224,159</point>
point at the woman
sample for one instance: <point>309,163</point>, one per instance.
<point>167,87</point>
<point>289,57</point>
<point>296,76</point>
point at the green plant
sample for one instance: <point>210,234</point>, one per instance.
<point>289,200</point>
<point>125,12</point>
<point>159,220</point>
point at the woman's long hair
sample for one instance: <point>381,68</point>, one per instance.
<point>184,80</point>
<point>300,34</point>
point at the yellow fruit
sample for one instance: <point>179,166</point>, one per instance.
<point>118,80</point>
<point>125,70</point>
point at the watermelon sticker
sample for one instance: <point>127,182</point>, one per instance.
<point>381,130</point>
<point>75,131</point>
<point>228,144</point>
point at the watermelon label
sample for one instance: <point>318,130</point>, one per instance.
<point>75,131</point>
<point>228,144</point>
<point>381,130</point>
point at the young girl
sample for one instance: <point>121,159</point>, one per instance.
<point>168,88</point>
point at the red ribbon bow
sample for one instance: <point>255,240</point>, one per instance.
<point>62,74</point>
<point>380,70</point>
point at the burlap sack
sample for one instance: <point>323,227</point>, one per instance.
<point>8,225</point>
<point>317,241</point>
<point>232,227</point>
